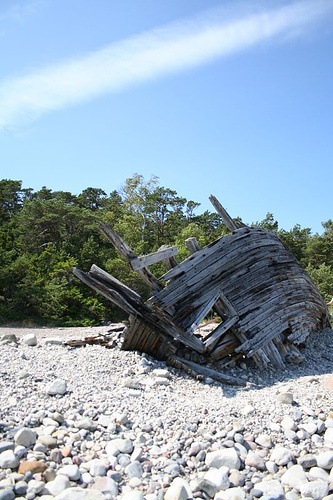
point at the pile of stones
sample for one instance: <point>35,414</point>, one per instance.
<point>92,423</point>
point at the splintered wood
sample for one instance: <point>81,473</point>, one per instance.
<point>263,301</point>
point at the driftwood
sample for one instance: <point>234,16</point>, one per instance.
<point>265,301</point>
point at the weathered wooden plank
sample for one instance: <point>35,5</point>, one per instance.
<point>157,321</point>
<point>215,336</point>
<point>98,273</point>
<point>152,258</point>
<point>208,372</point>
<point>229,221</point>
<point>223,306</point>
<point>204,253</point>
<point>192,245</point>
<point>105,290</point>
<point>226,346</point>
<point>202,275</point>
<point>127,253</point>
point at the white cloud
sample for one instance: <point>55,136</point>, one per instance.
<point>150,55</point>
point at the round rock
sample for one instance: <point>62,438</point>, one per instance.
<point>25,437</point>
<point>57,387</point>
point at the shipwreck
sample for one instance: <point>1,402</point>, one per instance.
<point>264,303</point>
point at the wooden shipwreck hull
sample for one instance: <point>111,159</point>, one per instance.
<point>266,302</point>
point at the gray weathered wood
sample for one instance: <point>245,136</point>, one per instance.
<point>249,278</point>
<point>219,331</point>
<point>152,258</point>
<point>229,221</point>
<point>209,372</point>
<point>127,253</point>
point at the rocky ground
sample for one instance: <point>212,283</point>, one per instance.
<point>96,423</point>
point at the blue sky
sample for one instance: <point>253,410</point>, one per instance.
<point>223,97</point>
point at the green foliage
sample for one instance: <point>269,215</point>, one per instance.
<point>44,234</point>
<point>323,277</point>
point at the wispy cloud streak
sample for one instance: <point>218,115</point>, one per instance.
<point>150,55</point>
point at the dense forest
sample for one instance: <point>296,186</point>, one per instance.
<point>44,234</point>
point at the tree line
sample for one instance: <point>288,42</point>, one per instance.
<point>45,233</point>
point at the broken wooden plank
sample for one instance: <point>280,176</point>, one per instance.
<point>229,221</point>
<point>222,307</point>
<point>127,253</point>
<point>206,372</point>
<point>152,258</point>
<point>215,336</point>
<point>105,290</point>
<point>97,272</point>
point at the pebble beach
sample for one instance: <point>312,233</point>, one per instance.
<point>99,423</point>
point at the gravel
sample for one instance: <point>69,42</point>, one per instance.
<point>95,423</point>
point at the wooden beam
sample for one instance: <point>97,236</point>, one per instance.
<point>216,335</point>
<point>152,258</point>
<point>127,253</point>
<point>205,372</point>
<point>229,221</point>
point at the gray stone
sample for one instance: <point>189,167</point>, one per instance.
<point>53,341</point>
<point>97,468</point>
<point>288,423</point>
<point>25,437</point>
<point>87,478</point>
<point>208,487</point>
<point>264,440</point>
<point>7,494</point>
<point>8,337</point>
<point>231,494</point>
<point>21,488</point>
<point>307,461</point>
<point>106,485</point>
<point>87,424</point>
<point>58,485</point>
<point>134,469</point>
<point>271,467</point>
<point>161,372</point>
<point>104,420</point>
<point>132,495</point>
<point>30,339</point>
<point>285,398</point>
<point>294,477</point>
<point>136,454</point>
<point>20,451</point>
<point>124,445</point>
<point>325,460</point>
<point>273,496</point>
<point>281,456</point>
<point>8,460</point>
<point>80,494</point>
<point>71,471</point>
<point>268,487</point>
<point>255,460</point>
<point>35,487</point>
<point>328,437</point>
<point>178,490</point>
<point>309,427</point>
<point>132,383</point>
<point>6,445</point>
<point>315,489</point>
<point>48,441</point>
<point>219,477</point>
<point>112,449</point>
<point>318,473</point>
<point>57,387</point>
<point>226,457</point>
